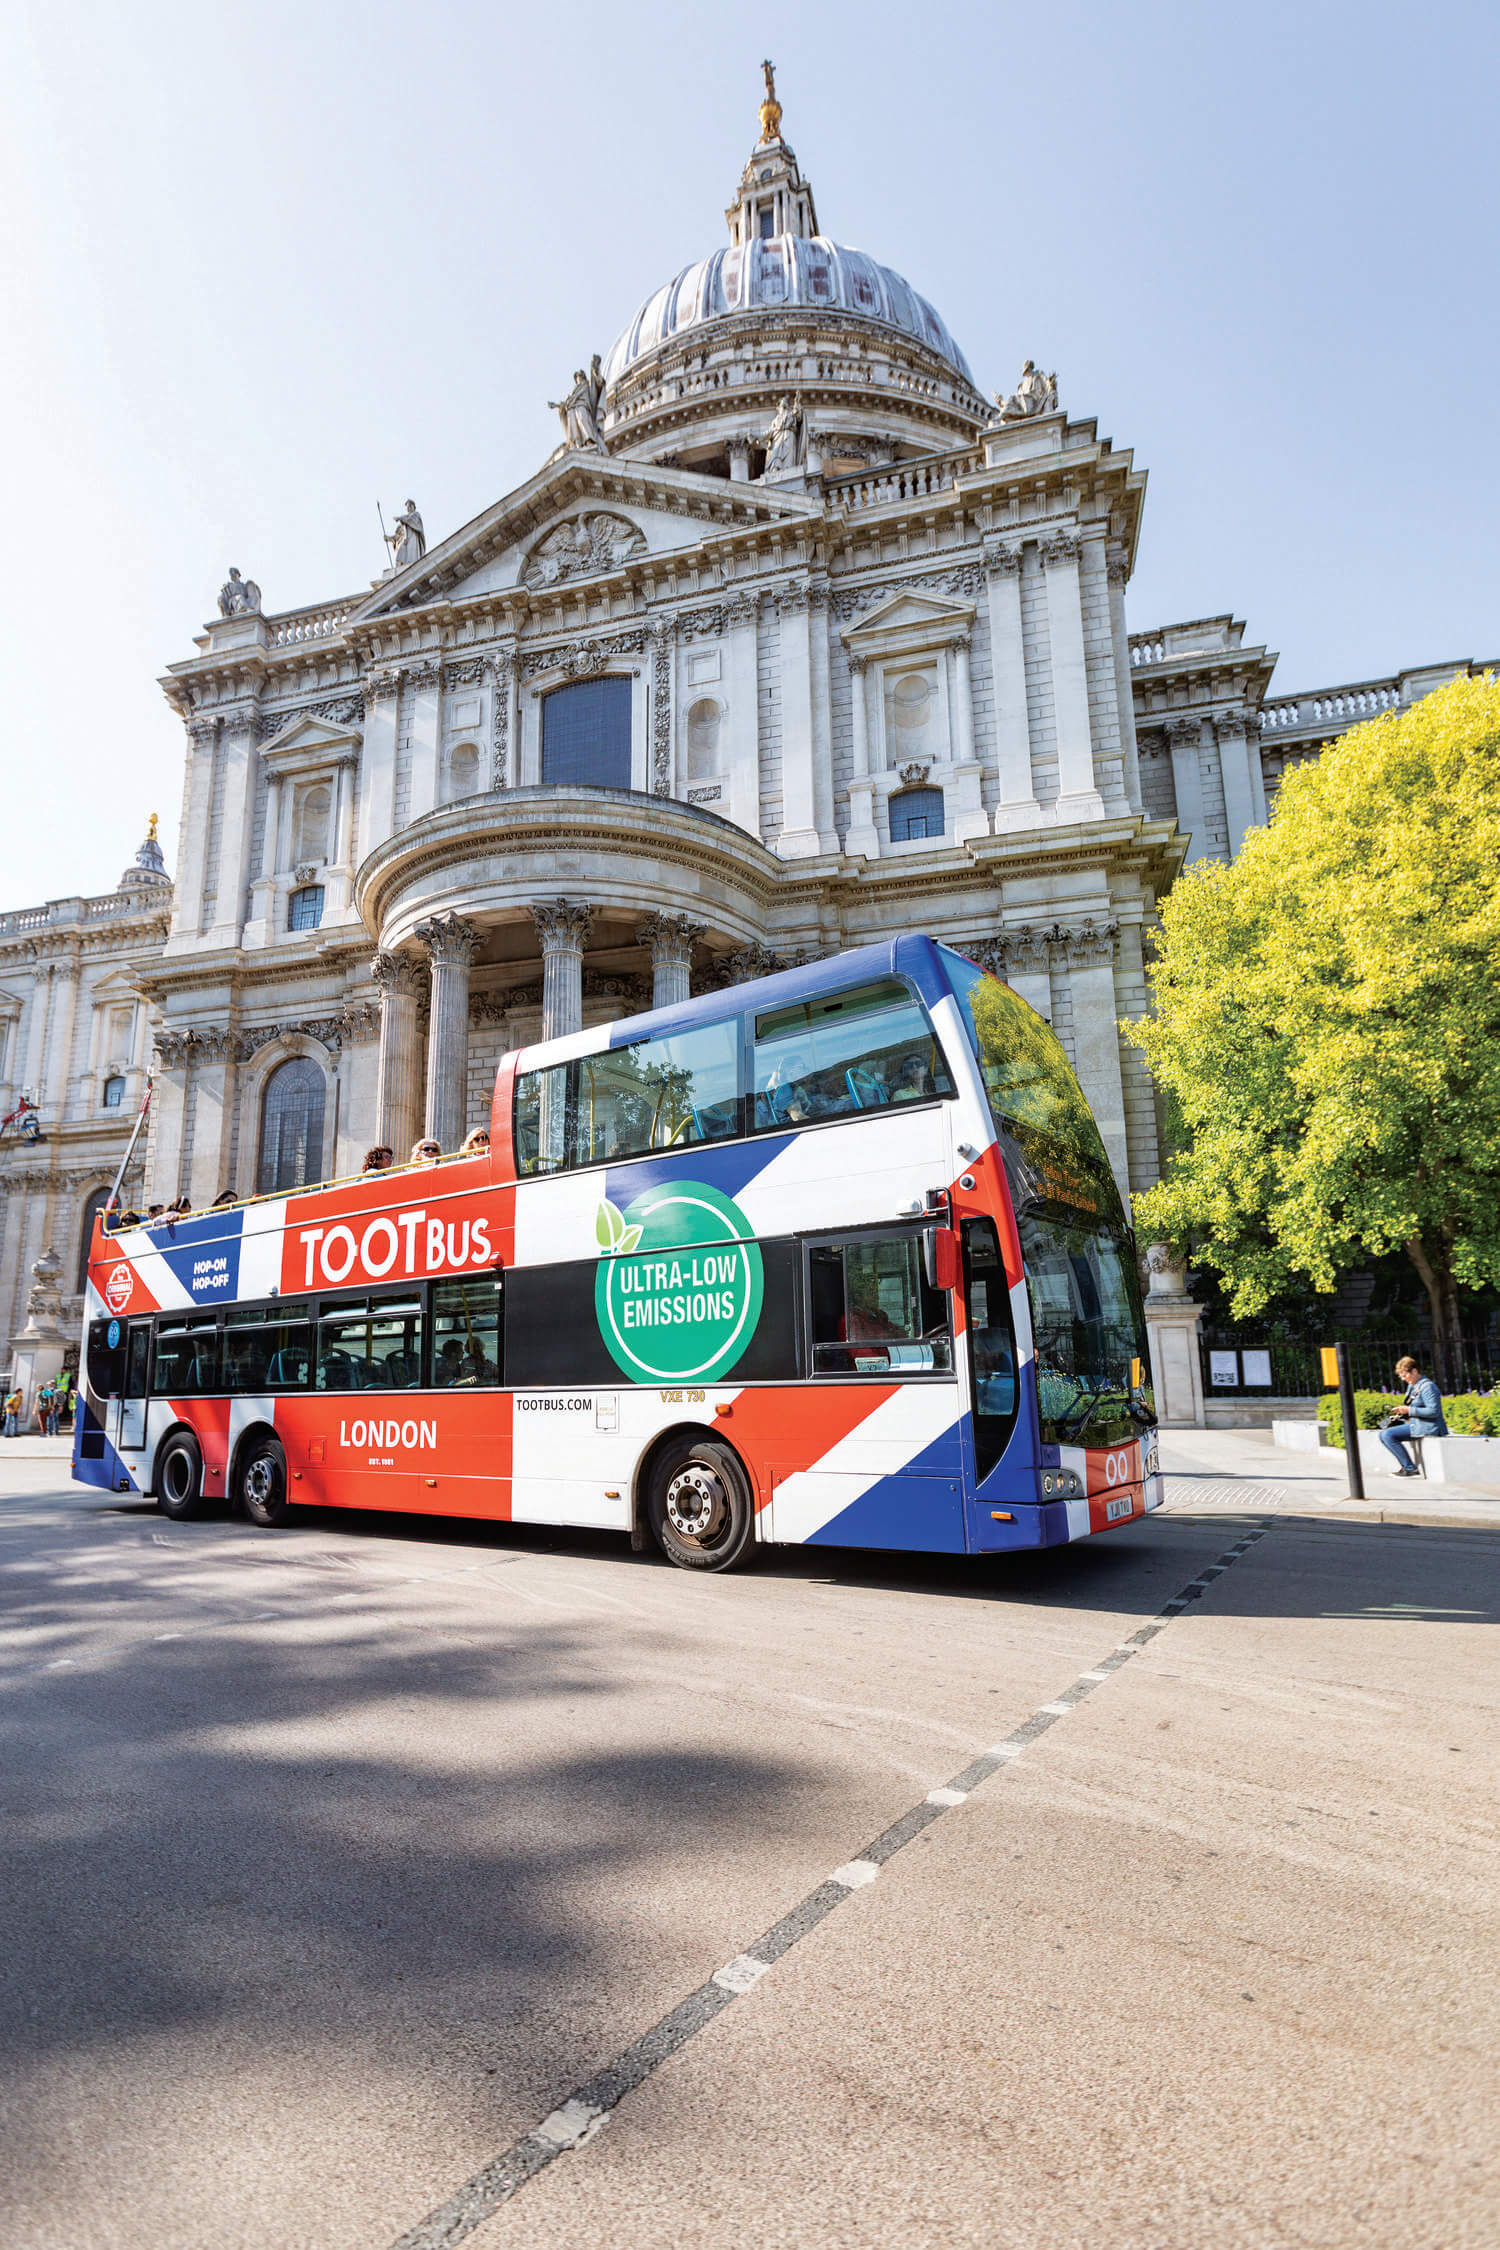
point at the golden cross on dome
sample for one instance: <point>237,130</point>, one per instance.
<point>151,829</point>
<point>770,108</point>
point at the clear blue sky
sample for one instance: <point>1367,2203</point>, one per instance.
<point>263,263</point>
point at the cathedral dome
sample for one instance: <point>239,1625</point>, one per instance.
<point>774,274</point>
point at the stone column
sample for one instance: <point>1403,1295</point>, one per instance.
<point>261,930</point>
<point>1018,807</point>
<point>671,938</point>
<point>822,717</point>
<point>1118,569</point>
<point>1096,1039</point>
<point>399,1082</point>
<point>1234,769</point>
<point>36,1030</point>
<point>1028,967</point>
<point>421,682</point>
<point>967,816</point>
<point>799,813</point>
<point>1185,734</point>
<point>451,945</point>
<point>1257,771</point>
<point>739,460</point>
<point>238,759</point>
<point>742,695</point>
<point>213,1112</point>
<point>1078,796</point>
<point>863,840</point>
<point>378,792</point>
<point>192,844</point>
<point>60,1061</point>
<point>1172,1325</point>
<point>563,927</point>
<point>339,875</point>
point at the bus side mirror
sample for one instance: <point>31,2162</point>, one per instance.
<point>939,1258</point>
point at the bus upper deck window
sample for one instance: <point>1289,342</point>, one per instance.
<point>870,1048</point>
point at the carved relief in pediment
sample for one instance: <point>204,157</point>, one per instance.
<point>583,547</point>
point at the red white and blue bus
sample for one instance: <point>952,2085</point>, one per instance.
<point>833,1258</point>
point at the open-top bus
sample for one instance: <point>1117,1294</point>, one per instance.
<point>834,1257</point>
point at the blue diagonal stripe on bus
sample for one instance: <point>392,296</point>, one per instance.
<point>203,1254</point>
<point>919,1506</point>
<point>725,1165</point>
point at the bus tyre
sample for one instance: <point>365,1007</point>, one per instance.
<point>700,1508</point>
<point>179,1478</point>
<point>262,1483</point>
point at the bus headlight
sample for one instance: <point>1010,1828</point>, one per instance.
<point>1061,1484</point>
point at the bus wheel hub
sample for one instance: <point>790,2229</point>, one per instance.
<point>696,1503</point>
<point>260,1480</point>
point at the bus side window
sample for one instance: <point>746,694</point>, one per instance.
<point>466,1333</point>
<point>137,1360</point>
<point>187,1358</point>
<point>872,1310</point>
<point>992,1342</point>
<point>541,1120</point>
<point>869,1048</point>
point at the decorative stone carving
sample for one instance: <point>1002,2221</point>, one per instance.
<point>499,669</point>
<point>1117,567</point>
<point>384,680</point>
<point>744,610</point>
<point>1091,945</point>
<point>1000,560</point>
<point>466,674</point>
<point>562,924</point>
<point>1062,547</point>
<point>582,657</point>
<point>44,1298</point>
<point>705,793</point>
<point>305,870</point>
<point>706,624</point>
<point>358,1021</point>
<point>752,960</point>
<point>408,542</point>
<point>914,773</point>
<point>635,992</point>
<point>495,1006</point>
<point>1167,1273</point>
<point>399,973</point>
<point>581,410</point>
<point>661,713</point>
<point>584,547</point>
<point>176,1049</point>
<point>785,442</point>
<point>1035,393</point>
<point>1185,727</point>
<point>449,939</point>
<point>239,597</point>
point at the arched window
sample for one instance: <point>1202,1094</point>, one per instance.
<point>305,907</point>
<point>586,733</point>
<point>703,738</point>
<point>916,812</point>
<point>463,770</point>
<point>291,1127</point>
<point>91,1210</point>
<point>310,827</point>
<point>114,1092</point>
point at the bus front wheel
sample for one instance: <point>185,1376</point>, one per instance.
<point>179,1478</point>
<point>700,1508</point>
<point>262,1483</point>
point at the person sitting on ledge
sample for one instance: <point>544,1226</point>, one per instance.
<point>1420,1415</point>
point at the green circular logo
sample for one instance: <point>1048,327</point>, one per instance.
<point>679,1285</point>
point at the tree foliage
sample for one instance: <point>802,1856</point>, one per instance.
<point>1327,1020</point>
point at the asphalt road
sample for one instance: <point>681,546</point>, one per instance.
<point>351,1871</point>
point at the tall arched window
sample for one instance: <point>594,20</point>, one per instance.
<point>91,1210</point>
<point>916,812</point>
<point>291,1127</point>
<point>586,733</point>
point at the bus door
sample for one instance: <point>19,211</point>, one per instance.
<point>993,1385</point>
<point>128,1408</point>
<point>881,1409</point>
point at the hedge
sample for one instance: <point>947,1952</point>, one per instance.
<point>1470,1414</point>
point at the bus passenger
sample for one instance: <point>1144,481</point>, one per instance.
<point>913,1081</point>
<point>478,1142</point>
<point>425,1152</point>
<point>377,1159</point>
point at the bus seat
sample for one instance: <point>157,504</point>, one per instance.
<point>866,1091</point>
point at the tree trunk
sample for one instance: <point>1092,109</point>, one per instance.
<point>1442,1296</point>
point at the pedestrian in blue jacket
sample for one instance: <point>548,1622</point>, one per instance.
<point>1421,1415</point>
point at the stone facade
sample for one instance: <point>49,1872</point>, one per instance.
<point>861,637</point>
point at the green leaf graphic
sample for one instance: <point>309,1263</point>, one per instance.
<point>630,1238</point>
<point>609,1226</point>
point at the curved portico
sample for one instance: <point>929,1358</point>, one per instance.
<point>470,901</point>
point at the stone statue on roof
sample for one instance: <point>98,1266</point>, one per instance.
<point>784,441</point>
<point>581,409</point>
<point>1035,393</point>
<point>770,108</point>
<point>239,597</point>
<point>408,542</point>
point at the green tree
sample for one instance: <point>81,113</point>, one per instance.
<point>1327,1021</point>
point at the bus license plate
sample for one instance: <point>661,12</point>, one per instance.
<point>1115,1511</point>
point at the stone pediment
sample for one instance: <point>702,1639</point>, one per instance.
<point>583,515</point>
<point>308,744</point>
<point>906,621</point>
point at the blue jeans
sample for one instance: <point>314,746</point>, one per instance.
<point>11,1429</point>
<point>1396,1440</point>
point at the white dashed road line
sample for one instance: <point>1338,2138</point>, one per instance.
<point>578,2118</point>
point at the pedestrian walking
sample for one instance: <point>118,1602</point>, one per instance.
<point>1419,1415</point>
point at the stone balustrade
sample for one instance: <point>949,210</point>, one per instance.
<point>299,625</point>
<point>903,480</point>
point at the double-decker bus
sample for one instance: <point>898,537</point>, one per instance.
<point>835,1257</point>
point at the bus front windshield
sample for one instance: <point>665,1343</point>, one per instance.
<point>1093,1384</point>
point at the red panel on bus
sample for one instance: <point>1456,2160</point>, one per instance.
<point>795,1428</point>
<point>395,1227</point>
<point>435,1452</point>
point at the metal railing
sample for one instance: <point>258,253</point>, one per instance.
<point>1296,1367</point>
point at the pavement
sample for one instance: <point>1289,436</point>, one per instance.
<point>387,1881</point>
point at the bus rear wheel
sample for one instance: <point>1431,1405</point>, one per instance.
<point>179,1478</point>
<point>700,1508</point>
<point>262,1483</point>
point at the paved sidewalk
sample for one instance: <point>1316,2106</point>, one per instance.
<point>36,1448</point>
<point>1215,1468</point>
